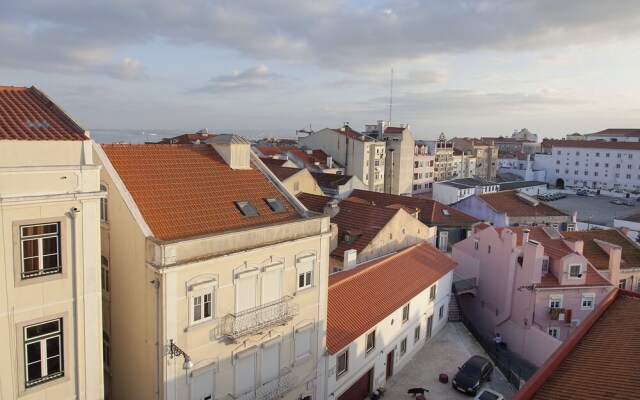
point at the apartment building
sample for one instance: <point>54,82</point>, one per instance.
<point>50,211</point>
<point>295,180</point>
<point>464,164</point>
<point>443,157</point>
<point>486,155</point>
<point>511,145</point>
<point>448,192</point>
<point>522,165</point>
<point>411,307</point>
<point>534,286</point>
<point>423,169</point>
<point>399,155</point>
<point>615,135</point>
<point>611,165</point>
<point>217,275</point>
<point>359,154</point>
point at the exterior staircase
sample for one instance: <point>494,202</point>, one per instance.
<point>454,309</point>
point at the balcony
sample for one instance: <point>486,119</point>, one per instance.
<point>254,320</point>
<point>274,389</point>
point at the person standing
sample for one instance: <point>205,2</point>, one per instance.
<point>497,339</point>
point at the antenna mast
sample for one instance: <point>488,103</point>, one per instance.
<point>391,97</point>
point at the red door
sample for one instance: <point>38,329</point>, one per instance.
<point>390,364</point>
<point>361,389</point>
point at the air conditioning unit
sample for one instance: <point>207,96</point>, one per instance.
<point>575,323</point>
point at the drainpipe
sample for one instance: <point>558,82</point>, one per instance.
<point>156,285</point>
<point>73,212</point>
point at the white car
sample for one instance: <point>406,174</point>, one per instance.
<point>488,394</point>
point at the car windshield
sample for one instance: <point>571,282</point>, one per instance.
<point>470,370</point>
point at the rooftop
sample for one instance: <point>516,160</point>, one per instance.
<point>519,184</point>
<point>183,190</point>
<point>591,144</point>
<point>511,202</point>
<point>283,173</point>
<point>598,361</point>
<point>331,180</point>
<point>388,282</point>
<point>350,133</point>
<point>26,113</point>
<point>186,138</point>
<point>617,132</point>
<point>598,257</point>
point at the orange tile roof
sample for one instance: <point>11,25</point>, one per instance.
<point>507,201</point>
<point>361,137</point>
<point>272,162</point>
<point>361,297</point>
<point>598,257</point>
<point>283,173</point>
<point>313,202</point>
<point>592,144</point>
<point>617,132</point>
<point>315,156</point>
<point>188,190</point>
<point>269,151</point>
<point>598,361</point>
<point>394,129</point>
<point>431,211</point>
<point>28,114</point>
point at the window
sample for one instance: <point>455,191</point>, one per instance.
<point>40,246</point>
<point>628,176</point>
<point>619,155</point>
<point>617,165</point>
<point>202,301</point>
<point>607,155</point>
<point>476,245</point>
<point>577,163</point>
<point>555,301</point>
<point>597,154</point>
<point>304,280</point>
<point>432,293</point>
<point>416,334</point>
<point>202,307</point>
<point>489,249</point>
<point>622,284</point>
<point>441,312</point>
<point>588,300</point>
<point>558,162</point>
<point>597,164</point>
<point>246,208</point>
<point>371,341</point>
<point>405,313</point>
<point>629,166</point>
<point>105,274</point>
<point>302,336</point>
<point>106,351</point>
<point>403,347</point>
<point>342,363</point>
<point>555,332</point>
<point>43,352</point>
<point>203,383</point>
<point>574,271</point>
<point>275,204</point>
<point>103,205</point>
<point>577,153</point>
<point>296,186</point>
<point>545,266</point>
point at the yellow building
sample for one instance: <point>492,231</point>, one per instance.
<point>50,314</point>
<point>218,276</point>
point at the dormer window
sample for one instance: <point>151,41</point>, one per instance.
<point>575,271</point>
<point>246,208</point>
<point>275,205</point>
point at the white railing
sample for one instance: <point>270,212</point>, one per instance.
<point>256,319</point>
<point>271,390</point>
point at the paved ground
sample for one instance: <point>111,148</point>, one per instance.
<point>599,207</point>
<point>448,350</point>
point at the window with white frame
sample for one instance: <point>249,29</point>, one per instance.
<point>304,268</point>
<point>203,381</point>
<point>104,281</point>
<point>622,284</point>
<point>554,331</point>
<point>545,266</point>
<point>575,271</point>
<point>441,312</point>
<point>302,340</point>
<point>588,300</point>
<point>555,301</point>
<point>342,363</point>
<point>370,341</point>
<point>40,249</point>
<point>202,301</point>
<point>43,352</point>
<point>403,347</point>
<point>104,216</point>
<point>405,313</point>
<point>416,334</point>
<point>432,292</point>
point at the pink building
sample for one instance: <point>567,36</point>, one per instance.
<point>533,286</point>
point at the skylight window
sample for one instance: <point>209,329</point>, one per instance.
<point>246,208</point>
<point>445,212</point>
<point>275,204</point>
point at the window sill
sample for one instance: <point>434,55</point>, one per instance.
<point>199,325</point>
<point>302,359</point>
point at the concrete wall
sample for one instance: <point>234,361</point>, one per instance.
<point>481,210</point>
<point>447,194</point>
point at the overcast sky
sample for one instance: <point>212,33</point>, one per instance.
<point>466,68</point>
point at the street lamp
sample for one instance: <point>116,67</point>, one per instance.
<point>173,350</point>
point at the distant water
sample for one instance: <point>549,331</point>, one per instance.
<point>155,135</point>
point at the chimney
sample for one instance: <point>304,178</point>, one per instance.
<point>350,259</point>
<point>615,257</point>
<point>331,208</point>
<point>309,151</point>
<point>234,149</point>
<point>329,162</point>
<point>525,235</point>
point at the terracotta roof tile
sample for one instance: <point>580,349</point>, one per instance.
<point>508,201</point>
<point>272,162</point>
<point>598,257</point>
<point>598,361</point>
<point>363,296</point>
<point>283,173</point>
<point>186,190</point>
<point>316,156</point>
<point>313,202</point>
<point>394,129</point>
<point>28,114</point>
<point>591,144</point>
<point>331,180</point>
<point>431,212</point>
<point>617,132</point>
<point>361,137</point>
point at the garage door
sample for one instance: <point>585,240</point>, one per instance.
<point>360,389</point>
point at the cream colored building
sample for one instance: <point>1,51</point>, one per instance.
<point>361,155</point>
<point>218,276</point>
<point>296,180</point>
<point>50,317</point>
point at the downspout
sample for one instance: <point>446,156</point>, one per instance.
<point>156,285</point>
<point>73,212</point>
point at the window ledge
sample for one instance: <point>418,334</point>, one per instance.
<point>302,359</point>
<point>199,325</point>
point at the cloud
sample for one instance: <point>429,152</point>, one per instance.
<point>256,78</point>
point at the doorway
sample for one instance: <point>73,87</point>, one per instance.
<point>390,364</point>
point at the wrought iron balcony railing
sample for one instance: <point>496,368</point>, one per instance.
<point>256,319</point>
<point>271,390</point>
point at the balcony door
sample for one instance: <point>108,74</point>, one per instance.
<point>246,292</point>
<point>270,368</point>
<point>272,284</point>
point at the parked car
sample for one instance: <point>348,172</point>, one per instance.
<point>628,203</point>
<point>473,373</point>
<point>580,193</point>
<point>488,394</point>
<point>616,202</point>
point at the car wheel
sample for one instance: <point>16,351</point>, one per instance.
<point>489,378</point>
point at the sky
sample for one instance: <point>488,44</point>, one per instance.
<point>465,68</point>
